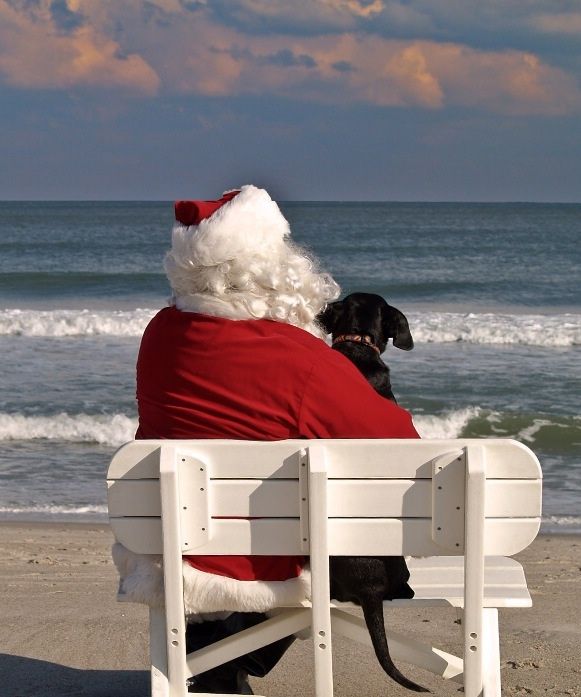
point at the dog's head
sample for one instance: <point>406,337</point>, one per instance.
<point>367,314</point>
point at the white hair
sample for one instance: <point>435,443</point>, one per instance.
<point>239,264</point>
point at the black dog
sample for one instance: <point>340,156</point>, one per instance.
<point>361,325</point>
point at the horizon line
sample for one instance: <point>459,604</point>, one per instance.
<point>305,201</point>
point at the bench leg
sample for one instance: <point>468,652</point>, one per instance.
<point>491,653</point>
<point>158,653</point>
<point>482,672</point>
<point>320,598</point>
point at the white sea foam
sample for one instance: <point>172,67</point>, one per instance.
<point>63,323</point>
<point>493,328</point>
<point>561,523</point>
<point>529,434</point>
<point>447,425</point>
<point>50,510</point>
<point>427,327</point>
<point>117,429</point>
<point>104,429</point>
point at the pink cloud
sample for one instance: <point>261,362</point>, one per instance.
<point>34,54</point>
<point>180,51</point>
<point>342,68</point>
<point>513,82</point>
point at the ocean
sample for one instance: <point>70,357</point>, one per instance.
<point>492,293</point>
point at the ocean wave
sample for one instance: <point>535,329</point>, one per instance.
<point>450,424</point>
<point>554,434</point>
<point>547,433</point>
<point>561,524</point>
<point>69,323</point>
<point>493,328</point>
<point>117,429</point>
<point>427,327</point>
<point>103,429</point>
<point>53,509</point>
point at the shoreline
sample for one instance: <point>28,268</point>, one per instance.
<point>64,632</point>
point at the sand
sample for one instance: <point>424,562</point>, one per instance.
<point>62,632</point>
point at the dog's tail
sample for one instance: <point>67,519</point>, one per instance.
<point>373,613</point>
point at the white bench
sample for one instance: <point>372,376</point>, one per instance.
<point>463,506</point>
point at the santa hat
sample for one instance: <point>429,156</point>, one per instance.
<point>193,212</point>
<point>241,222</point>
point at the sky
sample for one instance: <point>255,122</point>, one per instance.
<point>383,100</point>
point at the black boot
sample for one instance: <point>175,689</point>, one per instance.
<point>226,679</point>
<point>231,677</point>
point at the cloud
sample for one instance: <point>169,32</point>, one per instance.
<point>188,48</point>
<point>563,23</point>
<point>343,66</point>
<point>510,82</point>
<point>212,59</point>
<point>303,17</point>
<point>493,25</point>
<point>356,7</point>
<point>63,17</point>
<point>49,45</point>
<point>285,58</point>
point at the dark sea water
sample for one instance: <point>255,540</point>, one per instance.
<point>492,292</point>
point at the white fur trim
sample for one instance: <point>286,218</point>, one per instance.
<point>216,307</point>
<point>250,222</point>
<point>204,592</point>
<point>141,581</point>
<point>140,576</point>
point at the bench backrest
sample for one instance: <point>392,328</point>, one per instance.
<point>382,497</point>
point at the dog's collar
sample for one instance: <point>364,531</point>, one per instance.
<point>358,339</point>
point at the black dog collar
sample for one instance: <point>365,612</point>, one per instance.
<point>358,339</point>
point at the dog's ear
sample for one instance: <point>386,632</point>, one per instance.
<point>330,316</point>
<point>395,325</point>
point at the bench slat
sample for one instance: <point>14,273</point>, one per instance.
<point>504,583</point>
<point>262,460</point>
<point>373,537</point>
<point>347,497</point>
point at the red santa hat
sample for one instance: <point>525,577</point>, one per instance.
<point>193,212</point>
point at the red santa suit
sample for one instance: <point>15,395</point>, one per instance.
<point>200,376</point>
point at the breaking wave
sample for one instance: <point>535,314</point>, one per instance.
<point>549,433</point>
<point>493,328</point>
<point>451,424</point>
<point>546,432</point>
<point>561,524</point>
<point>89,512</point>
<point>65,323</point>
<point>103,429</point>
<point>429,327</point>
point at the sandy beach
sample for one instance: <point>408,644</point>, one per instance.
<point>62,632</point>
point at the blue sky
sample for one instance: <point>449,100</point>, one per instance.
<point>466,100</point>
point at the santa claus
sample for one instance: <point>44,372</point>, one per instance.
<point>239,354</point>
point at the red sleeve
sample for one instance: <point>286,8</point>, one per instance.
<point>338,402</point>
